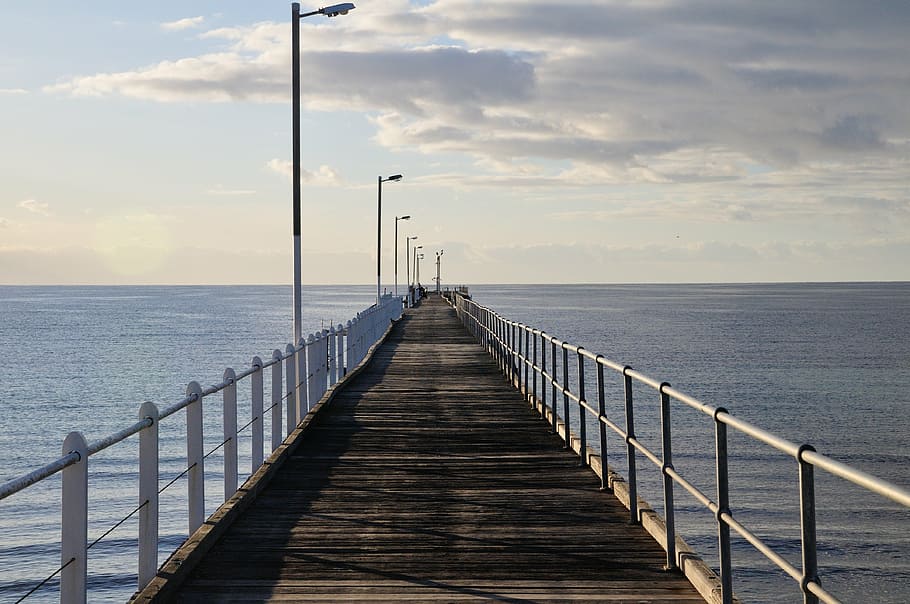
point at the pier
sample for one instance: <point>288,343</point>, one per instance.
<point>427,476</point>
<point>443,452</point>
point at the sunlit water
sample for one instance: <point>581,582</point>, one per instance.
<point>824,364</point>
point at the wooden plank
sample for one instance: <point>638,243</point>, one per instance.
<point>428,478</point>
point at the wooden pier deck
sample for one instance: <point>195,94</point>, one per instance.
<point>428,478</point>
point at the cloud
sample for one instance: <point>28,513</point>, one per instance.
<point>324,176</point>
<point>4,223</point>
<point>635,93</point>
<point>12,91</point>
<point>35,207</point>
<point>181,24</point>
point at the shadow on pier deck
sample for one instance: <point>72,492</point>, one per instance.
<point>428,478</point>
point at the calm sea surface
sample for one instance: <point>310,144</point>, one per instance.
<point>825,364</point>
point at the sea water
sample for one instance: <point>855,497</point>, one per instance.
<point>825,364</point>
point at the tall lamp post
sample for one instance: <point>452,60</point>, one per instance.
<point>438,256</point>
<point>328,11</point>
<point>407,254</point>
<point>416,272</point>
<point>417,265</point>
<point>379,181</point>
<point>397,218</point>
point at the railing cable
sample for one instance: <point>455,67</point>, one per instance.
<point>117,525</point>
<point>175,479</point>
<point>45,581</point>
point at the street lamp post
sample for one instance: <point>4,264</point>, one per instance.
<point>328,11</point>
<point>438,256</point>
<point>417,260</point>
<point>379,181</point>
<point>407,254</point>
<point>397,218</point>
<point>416,272</point>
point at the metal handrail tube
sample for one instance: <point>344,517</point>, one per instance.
<point>113,439</point>
<point>762,547</point>
<point>167,411</point>
<point>644,379</point>
<point>858,477</point>
<point>604,361</point>
<point>604,420</point>
<point>781,444</point>
<point>692,489</point>
<point>690,401</point>
<point>584,403</point>
<point>15,485</point>
<point>644,450</point>
<point>572,396</point>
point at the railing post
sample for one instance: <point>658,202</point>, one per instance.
<point>527,359</point>
<point>553,382</point>
<point>324,362</point>
<point>534,372</point>
<point>148,496</point>
<point>339,350</point>
<point>582,416</point>
<point>667,450</point>
<point>723,505</point>
<point>74,523</point>
<point>290,377</point>
<point>565,393</point>
<point>303,378</point>
<point>543,369</point>
<point>312,371</point>
<point>349,357</point>
<point>333,358</point>
<point>602,428</point>
<point>194,460</point>
<point>276,399</point>
<point>256,398</point>
<point>229,421</point>
<point>518,354</point>
<point>630,448</point>
<point>807,524</point>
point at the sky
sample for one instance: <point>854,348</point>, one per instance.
<point>602,141</point>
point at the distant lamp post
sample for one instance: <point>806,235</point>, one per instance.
<point>438,256</point>
<point>397,218</point>
<point>328,11</point>
<point>407,254</point>
<point>416,272</point>
<point>417,267</point>
<point>380,180</point>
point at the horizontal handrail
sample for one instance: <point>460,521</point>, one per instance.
<point>510,343</point>
<point>311,367</point>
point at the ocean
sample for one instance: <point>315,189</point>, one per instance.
<point>825,364</point>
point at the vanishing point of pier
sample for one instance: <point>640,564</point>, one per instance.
<point>426,476</point>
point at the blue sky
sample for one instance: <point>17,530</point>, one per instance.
<point>663,141</point>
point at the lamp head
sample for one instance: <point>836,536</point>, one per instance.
<point>404,218</point>
<point>337,9</point>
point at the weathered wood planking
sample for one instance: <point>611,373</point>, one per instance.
<point>429,479</point>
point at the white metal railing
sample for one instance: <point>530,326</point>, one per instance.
<point>521,352</point>
<point>310,368</point>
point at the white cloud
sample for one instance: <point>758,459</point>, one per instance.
<point>35,207</point>
<point>12,91</point>
<point>324,176</point>
<point>181,24</point>
<point>665,92</point>
<point>4,223</point>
